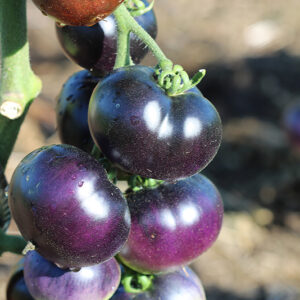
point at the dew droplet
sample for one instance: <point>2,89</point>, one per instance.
<point>73,177</point>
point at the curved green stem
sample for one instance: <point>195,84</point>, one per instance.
<point>11,243</point>
<point>126,23</point>
<point>18,86</point>
<point>123,55</point>
<point>172,78</point>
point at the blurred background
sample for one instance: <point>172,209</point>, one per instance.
<point>251,50</point>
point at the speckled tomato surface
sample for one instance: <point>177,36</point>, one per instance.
<point>46,281</point>
<point>179,285</point>
<point>64,204</point>
<point>77,12</point>
<point>172,224</point>
<point>146,132</point>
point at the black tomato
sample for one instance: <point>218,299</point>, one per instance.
<point>172,224</point>
<point>16,287</point>
<point>77,12</point>
<point>72,110</point>
<point>179,285</point>
<point>291,122</point>
<point>94,48</point>
<point>48,282</point>
<point>145,132</point>
<point>63,202</point>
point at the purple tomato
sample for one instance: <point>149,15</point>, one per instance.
<point>291,122</point>
<point>46,281</point>
<point>16,287</point>
<point>145,132</point>
<point>94,48</point>
<point>72,110</point>
<point>64,204</point>
<point>4,209</point>
<point>172,224</point>
<point>179,285</point>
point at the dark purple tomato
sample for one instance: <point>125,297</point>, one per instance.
<point>145,132</point>
<point>46,281</point>
<point>180,285</point>
<point>64,204</point>
<point>4,209</point>
<point>72,110</point>
<point>16,287</point>
<point>77,12</point>
<point>172,224</point>
<point>94,48</point>
<point>291,122</point>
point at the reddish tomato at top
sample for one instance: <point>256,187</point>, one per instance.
<point>77,12</point>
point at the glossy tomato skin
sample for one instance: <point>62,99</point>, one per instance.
<point>94,48</point>
<point>16,287</point>
<point>77,12</point>
<point>181,284</point>
<point>145,132</point>
<point>48,282</point>
<point>72,110</point>
<point>64,204</point>
<point>172,224</point>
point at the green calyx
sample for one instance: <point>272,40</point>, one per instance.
<point>174,80</point>
<point>136,283</point>
<point>138,7</point>
<point>137,183</point>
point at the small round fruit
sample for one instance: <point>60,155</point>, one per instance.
<point>145,132</point>
<point>4,209</point>
<point>48,282</point>
<point>172,224</point>
<point>182,284</point>
<point>72,110</point>
<point>291,122</point>
<point>95,48</point>
<point>64,204</point>
<point>16,287</point>
<point>77,12</point>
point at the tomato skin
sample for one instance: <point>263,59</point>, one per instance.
<point>16,286</point>
<point>72,110</point>
<point>63,202</point>
<point>181,284</point>
<point>291,123</point>
<point>95,48</point>
<point>77,12</point>
<point>172,224</point>
<point>144,131</point>
<point>48,282</point>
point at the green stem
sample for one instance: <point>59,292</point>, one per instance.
<point>19,86</point>
<point>126,23</point>
<point>11,243</point>
<point>123,55</point>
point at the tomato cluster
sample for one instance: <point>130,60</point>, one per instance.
<point>67,206</point>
